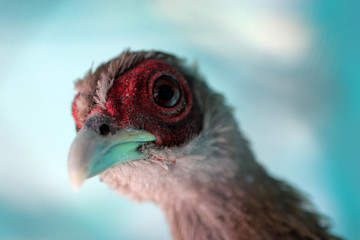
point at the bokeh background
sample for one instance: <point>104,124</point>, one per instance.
<point>290,68</point>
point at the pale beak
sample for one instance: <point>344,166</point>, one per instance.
<point>93,152</point>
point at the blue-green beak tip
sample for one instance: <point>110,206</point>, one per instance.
<point>91,153</point>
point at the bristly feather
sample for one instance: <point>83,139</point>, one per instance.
<point>211,187</point>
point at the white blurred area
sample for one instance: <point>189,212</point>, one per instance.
<point>235,29</point>
<point>267,57</point>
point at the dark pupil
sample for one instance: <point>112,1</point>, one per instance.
<point>166,92</point>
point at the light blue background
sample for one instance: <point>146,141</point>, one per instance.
<point>291,69</point>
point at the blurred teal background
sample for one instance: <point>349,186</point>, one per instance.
<point>291,69</point>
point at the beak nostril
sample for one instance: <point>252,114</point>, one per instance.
<point>104,129</point>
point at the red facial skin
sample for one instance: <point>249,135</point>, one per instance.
<point>75,113</point>
<point>130,102</point>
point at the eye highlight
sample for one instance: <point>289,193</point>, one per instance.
<point>166,91</point>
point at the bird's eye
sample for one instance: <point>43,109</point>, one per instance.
<point>166,91</point>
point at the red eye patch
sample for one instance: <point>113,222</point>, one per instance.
<point>131,102</point>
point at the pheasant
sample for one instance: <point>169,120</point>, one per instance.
<point>151,128</point>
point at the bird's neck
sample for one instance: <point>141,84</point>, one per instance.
<point>228,195</point>
<point>244,208</point>
<point>216,212</point>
